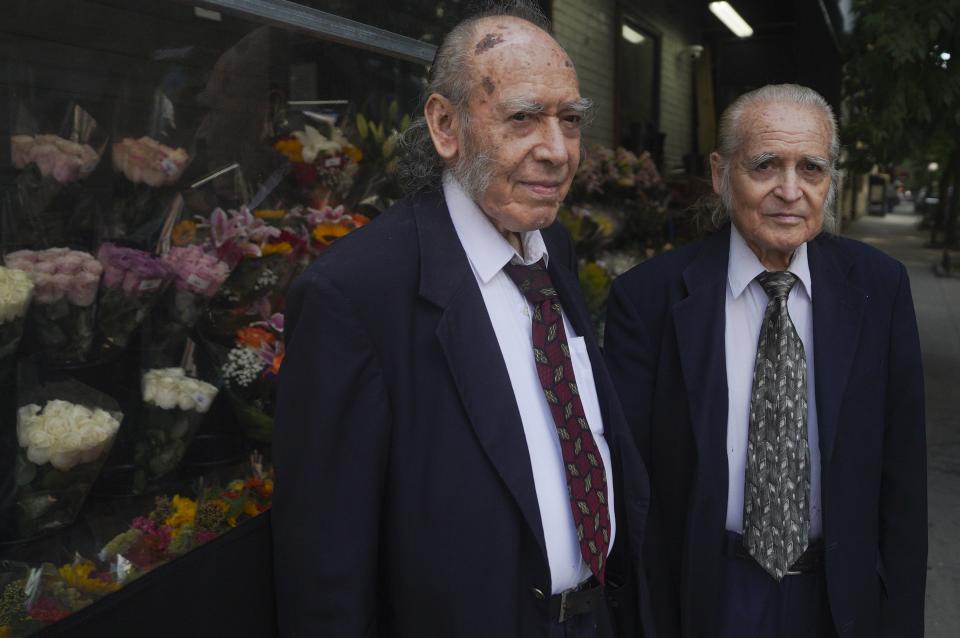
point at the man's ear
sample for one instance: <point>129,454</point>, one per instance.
<point>715,171</point>
<point>443,123</point>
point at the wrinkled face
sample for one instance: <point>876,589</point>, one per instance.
<point>525,115</point>
<point>779,179</point>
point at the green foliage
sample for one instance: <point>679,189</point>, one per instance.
<point>900,93</point>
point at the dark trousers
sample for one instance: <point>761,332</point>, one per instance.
<point>595,624</point>
<point>754,605</point>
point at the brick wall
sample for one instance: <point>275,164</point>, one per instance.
<point>587,29</point>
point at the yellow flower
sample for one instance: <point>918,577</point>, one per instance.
<point>326,233</point>
<point>353,153</point>
<point>270,213</point>
<point>6,632</point>
<point>268,487</point>
<point>281,247</point>
<point>185,511</point>
<point>232,521</point>
<point>78,576</point>
<point>184,233</point>
<point>235,486</point>
<point>291,149</point>
<point>250,508</point>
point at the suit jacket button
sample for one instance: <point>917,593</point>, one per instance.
<point>537,593</point>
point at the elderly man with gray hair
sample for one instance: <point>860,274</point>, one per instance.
<point>771,376</point>
<point>451,459</point>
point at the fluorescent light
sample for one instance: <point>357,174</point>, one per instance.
<point>631,36</point>
<point>945,56</point>
<point>729,16</point>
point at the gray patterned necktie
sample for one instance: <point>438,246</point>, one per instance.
<point>776,516</point>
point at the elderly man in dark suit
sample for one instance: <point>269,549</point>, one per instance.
<point>449,450</point>
<point>771,375</point>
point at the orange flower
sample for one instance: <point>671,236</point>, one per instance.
<point>277,361</point>
<point>353,153</point>
<point>184,233</point>
<point>282,247</point>
<point>270,213</point>
<point>360,219</point>
<point>254,337</point>
<point>326,233</point>
<point>290,148</point>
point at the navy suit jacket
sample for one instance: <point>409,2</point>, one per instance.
<point>665,350</point>
<point>405,504</point>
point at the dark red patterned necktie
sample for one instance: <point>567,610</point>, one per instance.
<point>586,480</point>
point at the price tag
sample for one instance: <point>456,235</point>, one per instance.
<point>332,162</point>
<point>202,400</point>
<point>150,284</point>
<point>169,166</point>
<point>197,281</point>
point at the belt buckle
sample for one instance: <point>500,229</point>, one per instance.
<point>563,605</point>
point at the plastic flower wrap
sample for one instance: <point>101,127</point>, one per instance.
<point>65,288</point>
<point>250,371</point>
<point>133,282</point>
<point>64,432</point>
<point>174,406</point>
<point>49,206</point>
<point>16,288</point>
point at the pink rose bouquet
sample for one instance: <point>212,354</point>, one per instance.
<point>133,282</point>
<point>65,289</point>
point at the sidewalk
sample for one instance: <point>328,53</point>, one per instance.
<point>937,302</point>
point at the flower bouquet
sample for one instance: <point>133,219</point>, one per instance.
<point>133,282</point>
<point>324,161</point>
<point>47,199</point>
<point>174,406</point>
<point>326,225</point>
<point>61,318</point>
<point>198,274</point>
<point>250,372</point>
<point>64,431</point>
<point>16,288</point>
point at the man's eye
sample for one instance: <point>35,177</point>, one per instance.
<point>763,166</point>
<point>813,168</point>
<point>520,117</point>
<point>574,119</point>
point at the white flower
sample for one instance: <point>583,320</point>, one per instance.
<point>169,388</point>
<point>314,142</point>
<point>64,434</point>
<point>16,288</point>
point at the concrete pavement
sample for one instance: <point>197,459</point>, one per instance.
<point>937,302</point>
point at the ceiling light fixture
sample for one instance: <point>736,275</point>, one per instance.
<point>729,17</point>
<point>632,36</point>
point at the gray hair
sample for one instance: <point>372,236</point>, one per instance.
<point>730,138</point>
<point>419,166</point>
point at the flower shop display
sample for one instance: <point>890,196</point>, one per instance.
<point>326,225</point>
<point>133,282</point>
<point>324,161</point>
<point>64,434</point>
<point>250,373</point>
<point>174,405</point>
<point>16,289</point>
<point>61,319</point>
<point>63,160</point>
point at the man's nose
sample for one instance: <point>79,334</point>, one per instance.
<point>551,147</point>
<point>788,188</point>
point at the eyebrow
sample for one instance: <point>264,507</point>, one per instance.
<point>755,161</point>
<point>524,105</point>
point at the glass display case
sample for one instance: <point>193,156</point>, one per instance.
<point>166,170</point>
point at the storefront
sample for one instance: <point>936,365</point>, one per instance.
<point>166,169</point>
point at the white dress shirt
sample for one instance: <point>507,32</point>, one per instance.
<point>510,313</point>
<point>746,302</point>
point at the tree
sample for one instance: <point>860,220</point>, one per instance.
<point>902,90</point>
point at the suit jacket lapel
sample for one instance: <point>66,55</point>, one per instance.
<point>699,321</point>
<point>473,355</point>
<point>837,314</point>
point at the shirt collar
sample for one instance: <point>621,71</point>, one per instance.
<point>487,250</point>
<point>744,266</point>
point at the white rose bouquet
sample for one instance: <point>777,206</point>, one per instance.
<point>174,406</point>
<point>65,432</point>
<point>16,288</point>
<point>65,289</point>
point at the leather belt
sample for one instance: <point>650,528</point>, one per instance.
<point>810,561</point>
<point>582,599</point>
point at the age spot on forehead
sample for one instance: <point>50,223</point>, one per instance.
<point>488,85</point>
<point>488,42</point>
